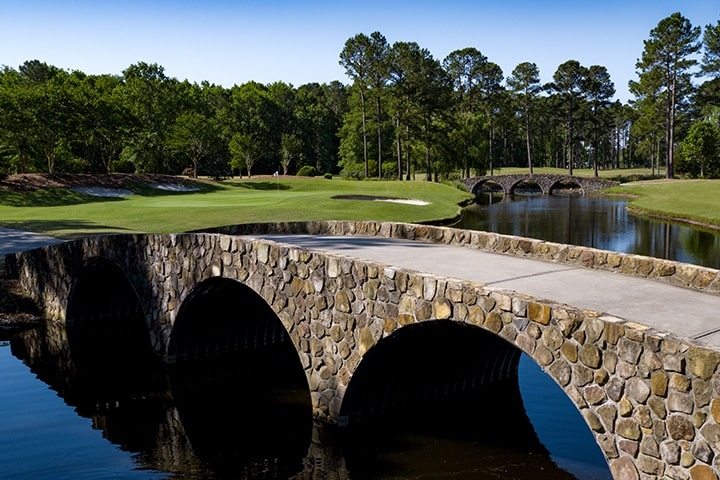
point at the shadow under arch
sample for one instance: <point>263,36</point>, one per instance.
<point>566,187</point>
<point>109,368</point>
<point>488,186</point>
<point>525,187</point>
<point>428,366</point>
<point>446,384</point>
<point>104,314</point>
<point>237,382</point>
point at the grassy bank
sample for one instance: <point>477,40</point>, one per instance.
<point>696,201</point>
<point>67,214</point>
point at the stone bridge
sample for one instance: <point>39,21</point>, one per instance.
<point>651,399</point>
<point>547,183</point>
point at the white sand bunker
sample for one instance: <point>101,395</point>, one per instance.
<point>406,201</point>
<point>174,187</point>
<point>103,191</point>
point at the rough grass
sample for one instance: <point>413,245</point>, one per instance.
<point>67,214</point>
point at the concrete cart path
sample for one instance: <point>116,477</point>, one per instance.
<point>12,241</point>
<point>683,312</point>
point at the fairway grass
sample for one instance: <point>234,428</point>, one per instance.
<point>690,201</point>
<point>66,214</point>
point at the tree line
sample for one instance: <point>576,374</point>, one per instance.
<point>404,112</point>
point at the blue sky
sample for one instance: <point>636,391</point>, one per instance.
<point>231,42</point>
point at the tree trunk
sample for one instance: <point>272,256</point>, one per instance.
<point>399,148</point>
<point>490,141</point>
<point>364,132</point>
<point>407,152</point>
<point>527,142</point>
<point>669,167</point>
<point>428,175</point>
<point>379,138</point>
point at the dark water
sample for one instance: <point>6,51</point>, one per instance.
<point>593,222</point>
<point>67,419</point>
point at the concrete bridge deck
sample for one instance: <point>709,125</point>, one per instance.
<point>681,311</point>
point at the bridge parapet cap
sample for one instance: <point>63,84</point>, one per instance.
<point>680,274</point>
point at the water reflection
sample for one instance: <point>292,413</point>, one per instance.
<point>438,399</point>
<point>211,421</point>
<point>593,222</point>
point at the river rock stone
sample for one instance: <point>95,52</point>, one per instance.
<point>624,469</point>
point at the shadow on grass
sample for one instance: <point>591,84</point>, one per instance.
<point>57,197</point>
<point>50,197</point>
<point>79,229</point>
<point>261,185</point>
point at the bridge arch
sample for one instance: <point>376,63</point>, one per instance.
<point>566,186</point>
<point>233,367</point>
<point>429,364</point>
<point>527,186</point>
<point>104,312</point>
<point>221,317</point>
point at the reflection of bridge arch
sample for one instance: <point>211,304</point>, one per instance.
<point>546,182</point>
<point>236,381</point>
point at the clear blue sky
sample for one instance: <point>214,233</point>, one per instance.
<point>231,42</point>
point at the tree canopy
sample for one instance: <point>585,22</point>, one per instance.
<point>403,112</point>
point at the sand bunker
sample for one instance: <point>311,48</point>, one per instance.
<point>121,192</point>
<point>103,191</point>
<point>174,187</point>
<point>374,198</point>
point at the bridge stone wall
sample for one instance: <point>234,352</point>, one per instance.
<point>667,271</point>
<point>651,400</point>
<point>546,182</point>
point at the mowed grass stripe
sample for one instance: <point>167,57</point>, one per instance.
<point>255,200</point>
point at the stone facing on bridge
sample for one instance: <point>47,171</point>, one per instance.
<point>651,400</point>
<point>546,182</point>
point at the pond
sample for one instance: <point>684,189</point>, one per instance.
<point>92,417</point>
<point>592,222</point>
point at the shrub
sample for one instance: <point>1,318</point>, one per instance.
<point>389,170</point>
<point>308,171</point>
<point>328,176</point>
<point>123,166</point>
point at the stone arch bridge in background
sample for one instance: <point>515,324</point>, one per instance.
<point>546,182</point>
<point>651,399</point>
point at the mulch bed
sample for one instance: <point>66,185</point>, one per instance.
<point>27,182</point>
<point>17,311</point>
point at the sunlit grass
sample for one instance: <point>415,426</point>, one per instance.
<point>689,200</point>
<point>68,214</point>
